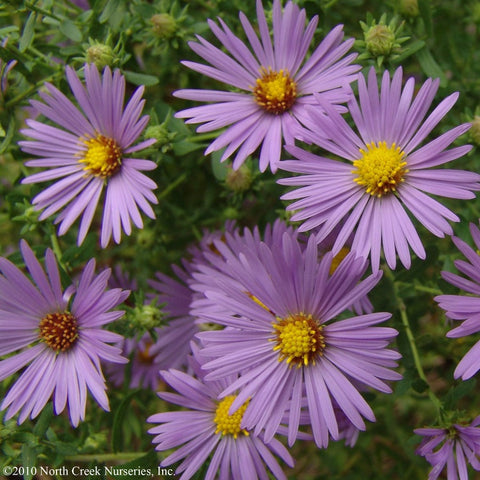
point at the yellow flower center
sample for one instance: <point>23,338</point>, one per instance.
<point>299,339</point>
<point>275,91</point>
<point>337,259</point>
<point>103,157</point>
<point>59,330</point>
<point>381,168</point>
<point>229,424</point>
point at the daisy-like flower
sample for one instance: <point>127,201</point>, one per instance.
<point>58,336</point>
<point>280,306</point>
<point>173,343</point>
<point>465,307</point>
<point>89,151</point>
<point>460,446</point>
<point>386,173</point>
<point>207,429</point>
<point>274,79</point>
<point>143,370</point>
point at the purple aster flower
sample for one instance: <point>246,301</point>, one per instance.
<point>207,429</point>
<point>89,152</point>
<point>386,174</point>
<point>60,337</point>
<point>461,446</point>
<point>274,78</point>
<point>465,307</point>
<point>280,306</point>
<point>173,344</point>
<point>143,367</point>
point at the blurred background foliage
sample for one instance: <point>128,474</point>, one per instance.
<point>147,40</point>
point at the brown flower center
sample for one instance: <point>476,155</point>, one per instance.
<point>59,330</point>
<point>275,92</point>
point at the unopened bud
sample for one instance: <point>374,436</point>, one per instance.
<point>409,8</point>
<point>100,54</point>
<point>380,40</point>
<point>475,130</point>
<point>163,25</point>
<point>239,180</point>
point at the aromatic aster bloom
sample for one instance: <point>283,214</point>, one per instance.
<point>387,173</point>
<point>89,151</point>
<point>274,79</point>
<point>465,307</point>
<point>207,429</point>
<point>172,346</point>
<point>57,334</point>
<point>460,447</point>
<point>285,341</point>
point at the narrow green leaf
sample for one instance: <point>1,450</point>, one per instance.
<point>43,421</point>
<point>109,10</point>
<point>8,136</point>
<point>141,78</point>
<point>118,419</point>
<point>430,66</point>
<point>184,147</point>
<point>28,32</point>
<point>410,50</point>
<point>219,169</point>
<point>29,456</point>
<point>71,31</point>
<point>426,14</point>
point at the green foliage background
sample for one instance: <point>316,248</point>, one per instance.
<point>432,38</point>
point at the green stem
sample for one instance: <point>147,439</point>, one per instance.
<point>105,457</point>
<point>42,11</point>
<point>57,250</point>
<point>27,92</point>
<point>203,136</point>
<point>413,346</point>
<point>172,186</point>
<point>422,288</point>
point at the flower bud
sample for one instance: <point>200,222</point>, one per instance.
<point>238,180</point>
<point>475,130</point>
<point>409,7</point>
<point>163,25</point>
<point>100,54</point>
<point>380,40</point>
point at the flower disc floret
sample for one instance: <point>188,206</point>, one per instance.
<point>381,168</point>
<point>144,355</point>
<point>103,157</point>
<point>59,330</point>
<point>299,339</point>
<point>229,424</point>
<point>275,92</point>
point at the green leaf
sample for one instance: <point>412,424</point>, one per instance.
<point>110,8</point>
<point>118,419</point>
<point>29,456</point>
<point>410,50</point>
<point>28,32</point>
<point>8,135</point>
<point>143,467</point>
<point>71,31</point>
<point>420,385</point>
<point>219,169</point>
<point>456,393</point>
<point>43,421</point>
<point>184,147</point>
<point>426,13</point>
<point>141,78</point>
<point>430,66</point>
